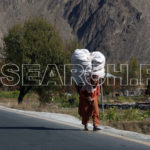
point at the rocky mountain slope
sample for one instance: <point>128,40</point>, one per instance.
<point>118,28</point>
<point>17,11</point>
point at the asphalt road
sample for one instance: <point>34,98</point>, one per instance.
<point>19,132</point>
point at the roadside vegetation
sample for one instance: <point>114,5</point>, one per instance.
<point>131,119</point>
<point>131,114</point>
<point>72,101</point>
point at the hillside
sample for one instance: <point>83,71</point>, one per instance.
<point>118,28</point>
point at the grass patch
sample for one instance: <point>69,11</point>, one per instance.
<point>13,94</point>
<point>131,99</point>
<point>9,94</point>
<point>125,115</point>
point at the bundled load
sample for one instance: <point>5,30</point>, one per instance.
<point>98,64</point>
<point>81,65</point>
<point>85,63</point>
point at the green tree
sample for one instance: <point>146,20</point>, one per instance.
<point>133,68</point>
<point>34,42</point>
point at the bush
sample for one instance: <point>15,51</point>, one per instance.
<point>131,114</point>
<point>120,98</point>
<point>112,114</point>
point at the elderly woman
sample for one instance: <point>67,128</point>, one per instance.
<point>88,105</point>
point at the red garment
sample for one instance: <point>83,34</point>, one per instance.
<point>88,108</point>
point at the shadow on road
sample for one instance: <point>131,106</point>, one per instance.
<point>37,128</point>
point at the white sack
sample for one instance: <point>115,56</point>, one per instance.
<point>100,73</point>
<point>93,63</point>
<point>98,64</point>
<point>81,62</point>
<point>98,61</point>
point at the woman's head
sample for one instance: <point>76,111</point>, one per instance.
<point>94,79</point>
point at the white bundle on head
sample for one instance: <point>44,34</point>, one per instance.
<point>85,63</point>
<point>100,73</point>
<point>98,61</point>
<point>98,64</point>
<point>81,64</point>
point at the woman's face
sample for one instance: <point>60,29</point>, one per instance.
<point>94,82</point>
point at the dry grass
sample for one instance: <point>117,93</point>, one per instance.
<point>136,126</point>
<point>34,105</point>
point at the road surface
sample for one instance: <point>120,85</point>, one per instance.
<point>20,132</point>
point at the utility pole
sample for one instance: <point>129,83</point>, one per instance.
<point>102,103</point>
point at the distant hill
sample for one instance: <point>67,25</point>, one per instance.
<point>17,11</point>
<point>118,28</point>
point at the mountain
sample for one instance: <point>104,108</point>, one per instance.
<point>17,11</point>
<point>118,28</point>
